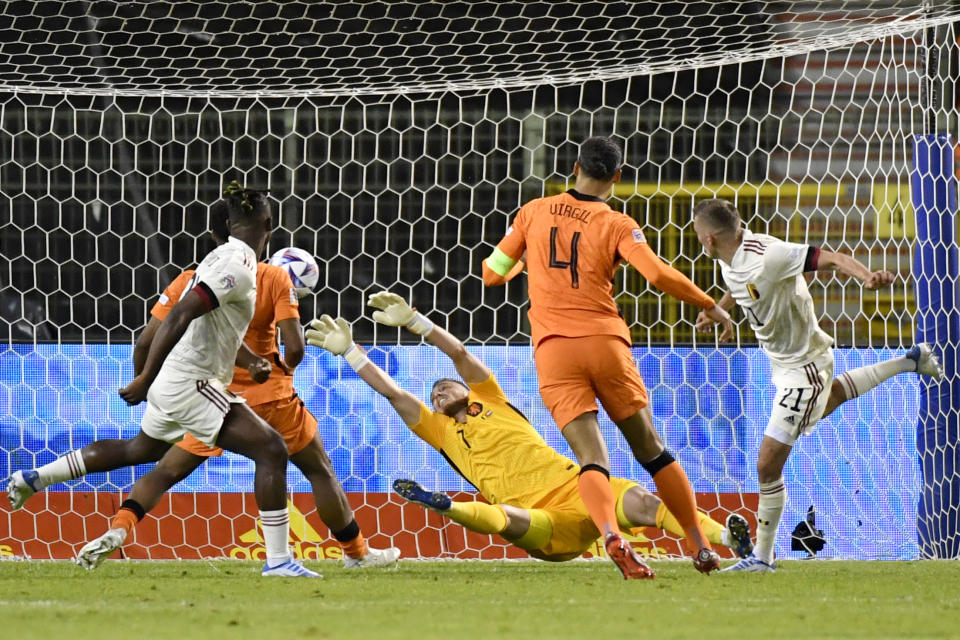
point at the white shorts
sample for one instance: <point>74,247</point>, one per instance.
<point>177,405</point>
<point>801,398</point>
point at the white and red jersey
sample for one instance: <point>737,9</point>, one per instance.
<point>227,281</point>
<point>766,279</point>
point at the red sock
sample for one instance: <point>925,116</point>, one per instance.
<point>125,518</point>
<point>598,497</point>
<point>674,489</point>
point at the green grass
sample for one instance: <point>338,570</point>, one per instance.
<point>449,600</point>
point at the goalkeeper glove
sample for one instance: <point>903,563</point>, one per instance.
<point>395,311</point>
<point>336,337</point>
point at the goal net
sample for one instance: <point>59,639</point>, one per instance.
<point>397,141</point>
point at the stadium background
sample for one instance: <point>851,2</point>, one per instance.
<point>104,193</point>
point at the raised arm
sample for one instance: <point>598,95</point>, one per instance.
<point>336,337</point>
<point>848,266</point>
<point>501,266</point>
<point>394,311</point>
<point>669,280</point>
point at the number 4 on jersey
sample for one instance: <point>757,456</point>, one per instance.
<point>572,263</point>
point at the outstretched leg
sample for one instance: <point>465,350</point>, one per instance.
<point>334,509</point>
<point>175,465</point>
<point>640,508</point>
<point>856,382</point>
<point>102,455</point>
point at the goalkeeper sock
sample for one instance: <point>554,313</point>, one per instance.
<point>773,495</point>
<point>674,489</point>
<point>711,528</point>
<point>351,540</point>
<point>66,467</point>
<point>858,381</point>
<point>276,534</point>
<point>597,496</point>
<point>478,516</point>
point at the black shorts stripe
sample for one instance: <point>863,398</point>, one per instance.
<point>208,392</point>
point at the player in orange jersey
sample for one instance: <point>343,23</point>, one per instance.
<point>573,244</point>
<point>532,489</point>
<point>267,387</point>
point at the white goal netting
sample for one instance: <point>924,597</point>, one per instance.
<point>397,141</point>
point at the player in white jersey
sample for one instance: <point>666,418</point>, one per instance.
<point>764,275</point>
<point>187,370</point>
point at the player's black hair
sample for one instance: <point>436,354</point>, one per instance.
<point>719,214</point>
<point>600,158</point>
<point>239,204</point>
<point>442,380</point>
<point>218,223</point>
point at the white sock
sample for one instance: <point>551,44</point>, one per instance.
<point>66,467</point>
<point>858,381</point>
<point>773,495</point>
<point>276,534</point>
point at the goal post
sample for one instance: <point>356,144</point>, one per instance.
<point>397,141</point>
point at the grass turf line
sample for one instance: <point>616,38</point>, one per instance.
<point>452,600</point>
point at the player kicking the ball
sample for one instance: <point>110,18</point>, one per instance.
<point>532,489</point>
<point>273,399</point>
<point>764,275</point>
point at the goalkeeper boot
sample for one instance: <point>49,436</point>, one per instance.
<point>928,364</point>
<point>289,568</point>
<point>96,551</point>
<point>413,492</point>
<point>374,558</point>
<point>706,561</point>
<point>21,486</point>
<point>739,531</point>
<point>630,564</point>
<point>751,564</point>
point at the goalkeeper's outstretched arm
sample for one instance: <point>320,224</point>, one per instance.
<point>394,311</point>
<point>336,337</point>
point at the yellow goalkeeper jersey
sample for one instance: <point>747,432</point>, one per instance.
<point>497,450</point>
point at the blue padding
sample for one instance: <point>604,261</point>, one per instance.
<point>933,187</point>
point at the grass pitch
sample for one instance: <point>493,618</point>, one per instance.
<point>450,600</point>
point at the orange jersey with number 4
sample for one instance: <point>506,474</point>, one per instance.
<point>574,244</point>
<point>276,300</point>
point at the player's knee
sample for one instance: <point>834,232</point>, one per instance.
<point>273,449</point>
<point>142,450</point>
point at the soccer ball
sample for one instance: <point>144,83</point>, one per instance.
<point>301,266</point>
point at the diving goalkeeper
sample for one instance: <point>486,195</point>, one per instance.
<point>534,500</point>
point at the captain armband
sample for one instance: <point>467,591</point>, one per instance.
<point>500,263</point>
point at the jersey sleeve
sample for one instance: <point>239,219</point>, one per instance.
<point>782,260</point>
<point>171,295</point>
<point>223,281</point>
<point>286,304</point>
<point>489,387</point>
<point>513,243</point>
<point>632,246</point>
<point>431,426</point>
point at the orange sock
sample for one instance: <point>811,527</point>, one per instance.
<point>125,519</point>
<point>674,489</point>
<point>356,548</point>
<point>597,496</point>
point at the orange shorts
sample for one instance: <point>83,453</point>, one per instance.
<point>288,417</point>
<point>575,372</point>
